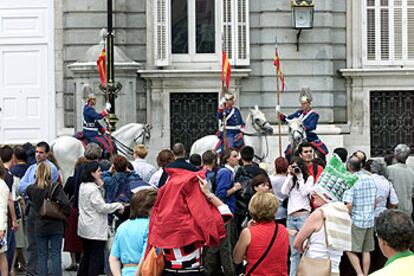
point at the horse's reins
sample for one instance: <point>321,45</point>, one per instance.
<point>122,147</point>
<point>260,134</point>
<point>127,150</point>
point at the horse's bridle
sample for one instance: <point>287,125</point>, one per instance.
<point>260,133</point>
<point>124,149</point>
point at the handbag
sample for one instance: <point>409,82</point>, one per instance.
<point>153,264</point>
<point>265,253</point>
<point>51,209</point>
<point>389,205</point>
<point>312,266</point>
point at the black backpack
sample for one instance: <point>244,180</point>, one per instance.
<point>213,180</point>
<point>245,193</point>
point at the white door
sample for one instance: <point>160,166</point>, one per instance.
<point>27,102</point>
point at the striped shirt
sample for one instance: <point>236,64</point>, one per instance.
<point>190,256</point>
<point>362,197</point>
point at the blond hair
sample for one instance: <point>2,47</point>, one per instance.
<point>140,150</point>
<point>263,207</point>
<point>43,175</point>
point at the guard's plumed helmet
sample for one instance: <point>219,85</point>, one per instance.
<point>90,97</point>
<point>88,93</point>
<point>305,95</point>
<point>229,96</point>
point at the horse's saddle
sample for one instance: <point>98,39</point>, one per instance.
<point>105,141</point>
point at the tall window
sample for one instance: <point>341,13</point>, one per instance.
<point>192,30</point>
<point>179,26</point>
<point>389,32</point>
<point>193,27</point>
<point>205,26</point>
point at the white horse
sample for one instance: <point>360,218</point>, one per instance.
<point>257,128</point>
<point>68,149</point>
<point>296,133</point>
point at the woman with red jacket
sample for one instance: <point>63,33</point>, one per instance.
<point>185,218</point>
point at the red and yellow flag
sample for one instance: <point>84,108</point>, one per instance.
<point>225,70</point>
<point>101,62</point>
<point>276,63</point>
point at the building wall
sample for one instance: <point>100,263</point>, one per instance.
<point>322,52</point>
<point>82,22</point>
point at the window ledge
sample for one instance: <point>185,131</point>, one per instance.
<point>213,73</point>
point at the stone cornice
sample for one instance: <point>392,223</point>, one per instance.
<point>91,67</point>
<point>377,72</point>
<point>200,73</point>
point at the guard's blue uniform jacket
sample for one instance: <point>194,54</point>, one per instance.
<point>234,124</point>
<point>91,126</point>
<point>309,120</point>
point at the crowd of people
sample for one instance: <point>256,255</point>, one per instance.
<point>207,216</point>
<point>218,213</point>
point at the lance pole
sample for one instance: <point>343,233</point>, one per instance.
<point>279,125</point>
<point>223,92</point>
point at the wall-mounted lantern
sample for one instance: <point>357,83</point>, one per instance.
<point>302,16</point>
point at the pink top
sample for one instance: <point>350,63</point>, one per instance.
<point>275,263</point>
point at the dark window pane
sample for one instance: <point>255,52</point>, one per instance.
<point>205,26</point>
<point>179,27</point>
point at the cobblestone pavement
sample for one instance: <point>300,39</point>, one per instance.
<point>65,263</point>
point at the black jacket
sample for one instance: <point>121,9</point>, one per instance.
<point>46,226</point>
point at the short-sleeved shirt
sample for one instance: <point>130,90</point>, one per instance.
<point>130,243</point>
<point>362,197</point>
<point>384,190</point>
<point>143,169</point>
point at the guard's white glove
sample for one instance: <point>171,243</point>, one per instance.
<point>222,101</point>
<point>108,106</point>
<point>277,108</point>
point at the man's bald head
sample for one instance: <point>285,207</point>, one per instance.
<point>354,164</point>
<point>179,150</point>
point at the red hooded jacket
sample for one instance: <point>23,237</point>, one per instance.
<point>182,214</point>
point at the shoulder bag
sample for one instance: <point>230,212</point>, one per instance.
<point>312,266</point>
<point>153,264</point>
<point>389,205</point>
<point>51,209</point>
<point>248,273</point>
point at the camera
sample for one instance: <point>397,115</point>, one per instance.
<point>297,170</point>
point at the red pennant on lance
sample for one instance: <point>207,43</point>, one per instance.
<point>225,70</point>
<point>276,63</point>
<point>101,62</point>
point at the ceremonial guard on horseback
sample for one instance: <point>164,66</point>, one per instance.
<point>93,131</point>
<point>309,119</point>
<point>231,123</point>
